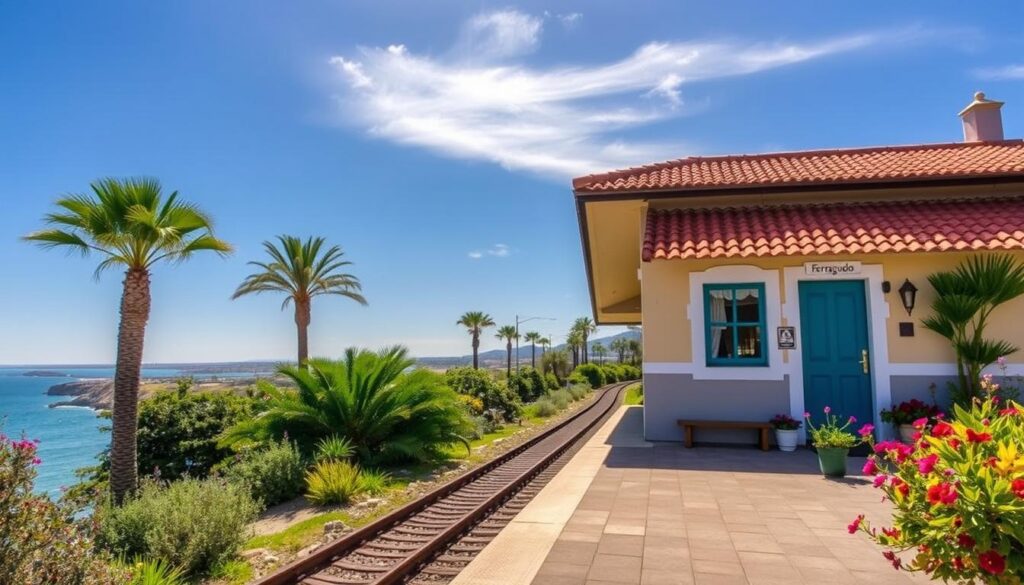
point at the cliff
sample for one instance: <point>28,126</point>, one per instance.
<point>96,394</point>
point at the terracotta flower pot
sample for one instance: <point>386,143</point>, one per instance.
<point>832,461</point>
<point>907,433</point>
<point>786,439</point>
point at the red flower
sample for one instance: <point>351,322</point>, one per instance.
<point>900,486</point>
<point>1009,411</point>
<point>954,443</point>
<point>943,429</point>
<point>891,532</point>
<point>869,467</point>
<point>942,493</point>
<point>921,422</point>
<point>853,526</point>
<point>925,465</point>
<point>992,562</point>
<point>892,558</point>
<point>975,437</point>
<point>1018,487</point>
<point>965,541</point>
<point>958,564</point>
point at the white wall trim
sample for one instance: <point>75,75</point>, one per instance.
<point>949,369</point>
<point>775,370</point>
<point>878,315</point>
<point>668,368</point>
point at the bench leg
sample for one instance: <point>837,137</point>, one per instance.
<point>764,439</point>
<point>688,431</point>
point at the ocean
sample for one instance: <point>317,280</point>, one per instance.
<point>69,437</point>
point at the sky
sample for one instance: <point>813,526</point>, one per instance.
<point>434,141</point>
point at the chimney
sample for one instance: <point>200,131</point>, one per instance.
<point>982,120</point>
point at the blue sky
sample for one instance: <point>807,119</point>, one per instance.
<point>434,141</point>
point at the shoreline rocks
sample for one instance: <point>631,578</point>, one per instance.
<point>94,394</point>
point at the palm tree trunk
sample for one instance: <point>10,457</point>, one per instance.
<point>508,348</point>
<point>303,317</point>
<point>476,350</point>
<point>135,301</point>
<point>533,355</point>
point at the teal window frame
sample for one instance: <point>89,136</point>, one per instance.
<point>734,326</point>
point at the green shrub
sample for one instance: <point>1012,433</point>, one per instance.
<point>577,378</point>
<point>593,374</point>
<point>556,361</point>
<point>500,403</point>
<point>611,374</point>
<point>389,410</point>
<point>333,448</point>
<point>155,572</point>
<point>545,408</point>
<point>521,386</point>
<point>178,432</point>
<point>272,474</point>
<point>537,383</point>
<point>191,524</point>
<point>560,398</point>
<point>551,382</point>
<point>332,482</point>
<point>578,391</point>
<point>40,541</point>
<point>373,482</point>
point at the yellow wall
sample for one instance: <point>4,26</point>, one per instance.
<point>666,294</point>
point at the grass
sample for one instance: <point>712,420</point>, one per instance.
<point>237,572</point>
<point>634,395</point>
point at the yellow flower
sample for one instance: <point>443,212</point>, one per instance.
<point>1008,460</point>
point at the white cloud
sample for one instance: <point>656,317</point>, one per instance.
<point>497,251</point>
<point>555,121</point>
<point>1006,72</point>
<point>568,20</point>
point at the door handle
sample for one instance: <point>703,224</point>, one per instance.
<point>864,363</point>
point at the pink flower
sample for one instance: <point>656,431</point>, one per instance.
<point>867,430</point>
<point>921,422</point>
<point>942,493</point>
<point>828,409</point>
<point>852,420</point>
<point>807,415</point>
<point>1001,361</point>
<point>879,480</point>
<point>853,526</point>
<point>925,465</point>
<point>870,468</point>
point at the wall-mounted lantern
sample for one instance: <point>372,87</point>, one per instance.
<point>908,294</point>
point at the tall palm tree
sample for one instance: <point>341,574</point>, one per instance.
<point>508,333</point>
<point>620,345</point>
<point>302,270</point>
<point>534,338</point>
<point>475,322</point>
<point>129,224</point>
<point>585,326</point>
<point>545,343</point>
<point>599,350</point>
<point>574,340</point>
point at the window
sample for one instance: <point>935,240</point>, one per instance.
<point>734,324</point>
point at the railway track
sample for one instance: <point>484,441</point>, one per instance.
<point>429,541</point>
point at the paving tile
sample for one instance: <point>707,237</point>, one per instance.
<point>573,552</point>
<point>621,544</point>
<point>616,568</point>
<point>716,567</point>
<point>659,577</point>
<point>553,568</point>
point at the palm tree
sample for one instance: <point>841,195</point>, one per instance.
<point>508,333</point>
<point>475,322</point>
<point>302,270</point>
<point>635,351</point>
<point>574,340</point>
<point>599,350</point>
<point>534,338</point>
<point>585,326</point>
<point>386,410</point>
<point>620,345</point>
<point>130,224</point>
<point>545,343</point>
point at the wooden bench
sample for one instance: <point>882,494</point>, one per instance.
<point>761,427</point>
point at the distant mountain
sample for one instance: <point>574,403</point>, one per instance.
<point>494,357</point>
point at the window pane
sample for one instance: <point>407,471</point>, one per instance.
<point>721,342</point>
<point>748,305</point>
<point>720,305</point>
<point>749,342</point>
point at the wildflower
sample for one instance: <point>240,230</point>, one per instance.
<point>900,486</point>
<point>965,541</point>
<point>1010,411</point>
<point>852,420</point>
<point>925,465</point>
<point>992,562</point>
<point>828,409</point>
<point>807,415</point>
<point>867,430</point>
<point>1017,487</point>
<point>892,558</point>
<point>880,480</point>
<point>37,461</point>
<point>891,532</point>
<point>921,422</point>
<point>976,437</point>
<point>942,493</point>
<point>943,429</point>
<point>853,526</point>
<point>870,468</point>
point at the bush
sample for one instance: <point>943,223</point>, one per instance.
<point>593,374</point>
<point>545,408</point>
<point>578,378</point>
<point>373,482</point>
<point>156,572</point>
<point>551,382</point>
<point>386,408</point>
<point>191,524</point>
<point>958,493</point>
<point>499,401</point>
<point>560,398</point>
<point>611,373</point>
<point>334,448</point>
<point>578,391</point>
<point>332,482</point>
<point>272,474</point>
<point>537,383</point>
<point>521,386</point>
<point>556,362</point>
<point>40,542</point>
<point>178,432</point>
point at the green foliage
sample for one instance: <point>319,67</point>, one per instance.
<point>191,524</point>
<point>962,308</point>
<point>387,410</point>
<point>560,398</point>
<point>556,362</point>
<point>611,373</point>
<point>272,473</point>
<point>373,482</point>
<point>578,378</point>
<point>155,572</point>
<point>958,495</point>
<point>41,543</point>
<point>578,391</point>
<point>178,432</point>
<point>593,373</point>
<point>332,482</point>
<point>500,403</point>
<point>545,408</point>
<point>830,433</point>
<point>333,448</point>
<point>521,386</point>
<point>551,382</point>
<point>537,383</point>
<point>634,395</point>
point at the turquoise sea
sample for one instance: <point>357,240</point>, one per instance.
<point>69,437</point>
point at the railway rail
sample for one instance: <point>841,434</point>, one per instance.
<point>430,540</point>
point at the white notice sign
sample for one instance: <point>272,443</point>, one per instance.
<point>833,269</point>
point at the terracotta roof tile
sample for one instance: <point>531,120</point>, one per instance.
<point>862,165</point>
<point>835,228</point>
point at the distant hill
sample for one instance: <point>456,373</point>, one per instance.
<point>496,357</point>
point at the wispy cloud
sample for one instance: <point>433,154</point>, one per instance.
<point>569,20</point>
<point>497,251</point>
<point>1003,73</point>
<point>474,102</point>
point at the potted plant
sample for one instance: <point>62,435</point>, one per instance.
<point>833,442</point>
<point>904,414</point>
<point>785,431</point>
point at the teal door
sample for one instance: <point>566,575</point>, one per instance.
<point>834,345</point>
